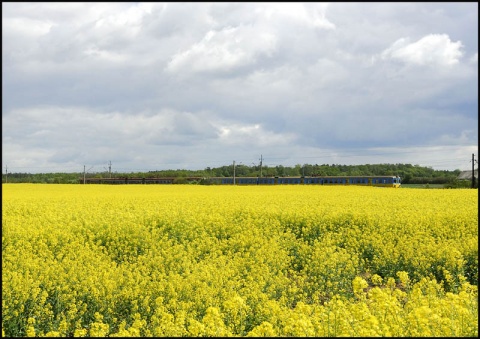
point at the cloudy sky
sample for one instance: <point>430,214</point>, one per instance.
<point>151,86</point>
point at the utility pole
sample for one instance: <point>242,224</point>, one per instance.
<point>261,161</point>
<point>473,170</point>
<point>6,173</point>
<point>109,169</point>
<point>84,172</point>
<point>234,172</point>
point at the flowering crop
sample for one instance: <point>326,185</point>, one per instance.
<point>188,260</point>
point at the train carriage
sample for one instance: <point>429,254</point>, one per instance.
<point>378,181</point>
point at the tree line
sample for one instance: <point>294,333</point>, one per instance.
<point>410,174</point>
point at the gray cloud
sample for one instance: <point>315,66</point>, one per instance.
<point>165,85</point>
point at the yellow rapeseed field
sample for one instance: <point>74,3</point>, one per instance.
<point>191,260</point>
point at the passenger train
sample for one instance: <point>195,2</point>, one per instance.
<point>378,181</point>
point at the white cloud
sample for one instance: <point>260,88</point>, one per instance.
<point>464,138</point>
<point>242,134</point>
<point>64,126</point>
<point>433,49</point>
<point>177,81</point>
<point>224,50</point>
<point>26,27</point>
<point>106,55</point>
<point>302,13</point>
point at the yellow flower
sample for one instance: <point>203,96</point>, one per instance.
<point>191,260</point>
<point>265,329</point>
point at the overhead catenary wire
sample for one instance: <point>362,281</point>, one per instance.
<point>321,157</point>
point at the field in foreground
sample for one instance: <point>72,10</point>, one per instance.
<point>88,260</point>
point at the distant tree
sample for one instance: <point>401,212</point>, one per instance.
<point>409,173</point>
<point>280,170</point>
<point>296,171</point>
<point>269,171</point>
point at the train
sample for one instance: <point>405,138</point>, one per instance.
<point>377,181</point>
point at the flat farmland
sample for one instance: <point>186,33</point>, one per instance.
<point>191,260</point>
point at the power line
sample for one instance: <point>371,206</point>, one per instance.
<point>109,168</point>
<point>322,156</point>
<point>261,162</point>
<point>84,173</point>
<point>473,170</point>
